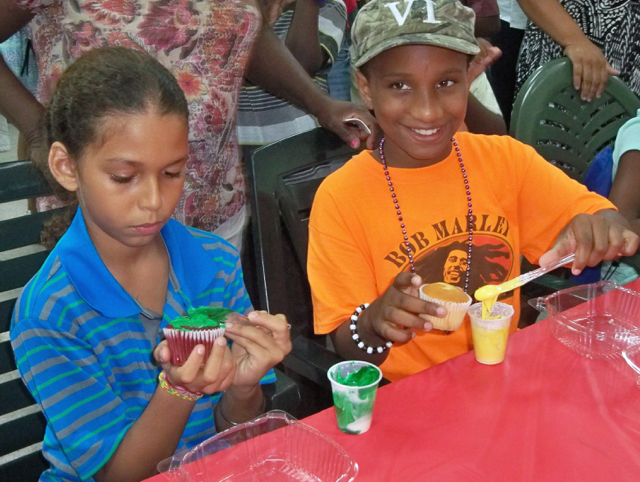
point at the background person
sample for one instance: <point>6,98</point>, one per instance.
<point>313,32</point>
<point>599,37</point>
<point>209,47</point>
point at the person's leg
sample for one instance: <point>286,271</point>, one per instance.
<point>502,74</point>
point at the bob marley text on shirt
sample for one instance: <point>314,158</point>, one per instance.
<point>441,252</point>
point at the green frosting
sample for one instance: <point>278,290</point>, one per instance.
<point>360,378</point>
<point>202,317</point>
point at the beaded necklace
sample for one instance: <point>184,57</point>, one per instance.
<point>401,220</point>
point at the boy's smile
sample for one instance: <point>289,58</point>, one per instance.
<point>419,96</point>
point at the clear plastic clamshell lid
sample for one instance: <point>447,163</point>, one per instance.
<point>598,320</point>
<point>274,447</point>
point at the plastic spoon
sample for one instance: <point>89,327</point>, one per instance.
<point>489,293</point>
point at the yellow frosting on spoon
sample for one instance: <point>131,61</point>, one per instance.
<point>488,295</point>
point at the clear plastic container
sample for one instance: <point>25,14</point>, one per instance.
<point>632,356</point>
<point>273,447</point>
<point>594,325</point>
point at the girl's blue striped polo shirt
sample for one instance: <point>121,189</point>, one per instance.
<point>83,345</point>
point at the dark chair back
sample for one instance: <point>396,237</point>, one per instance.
<point>22,424</point>
<point>283,179</point>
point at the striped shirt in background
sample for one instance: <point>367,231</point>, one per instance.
<point>83,345</point>
<point>264,118</point>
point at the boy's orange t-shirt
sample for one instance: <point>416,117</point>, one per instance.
<point>520,204</point>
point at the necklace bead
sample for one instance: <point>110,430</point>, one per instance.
<point>396,203</point>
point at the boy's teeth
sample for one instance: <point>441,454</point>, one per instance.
<point>425,132</point>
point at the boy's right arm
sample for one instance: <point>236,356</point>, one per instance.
<point>155,435</point>
<point>16,102</point>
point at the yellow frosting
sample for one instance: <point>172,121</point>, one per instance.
<point>488,295</point>
<point>445,292</point>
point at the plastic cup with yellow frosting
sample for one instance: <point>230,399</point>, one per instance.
<point>452,298</point>
<point>490,334</point>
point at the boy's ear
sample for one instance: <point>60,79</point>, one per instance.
<point>62,167</point>
<point>365,91</point>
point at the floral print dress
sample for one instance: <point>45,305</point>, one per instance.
<point>206,44</point>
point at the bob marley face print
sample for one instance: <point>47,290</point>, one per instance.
<point>441,252</point>
<point>455,266</point>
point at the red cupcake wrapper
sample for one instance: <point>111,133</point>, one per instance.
<point>181,342</point>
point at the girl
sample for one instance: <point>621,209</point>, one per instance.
<point>86,330</point>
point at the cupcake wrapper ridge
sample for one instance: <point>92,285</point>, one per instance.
<point>455,313</point>
<point>181,342</point>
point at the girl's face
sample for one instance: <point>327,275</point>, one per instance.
<point>419,96</point>
<point>130,180</point>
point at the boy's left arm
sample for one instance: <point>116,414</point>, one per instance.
<point>602,236</point>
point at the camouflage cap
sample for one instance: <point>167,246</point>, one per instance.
<point>383,24</point>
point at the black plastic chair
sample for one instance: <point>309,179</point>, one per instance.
<point>22,423</point>
<point>283,178</point>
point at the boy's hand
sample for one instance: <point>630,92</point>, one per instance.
<point>394,314</point>
<point>257,349</point>
<point>215,376</point>
<point>602,236</point>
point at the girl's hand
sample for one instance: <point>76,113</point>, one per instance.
<point>334,114</point>
<point>590,68</point>
<point>395,314</point>
<point>215,376</point>
<point>257,349</point>
<point>602,236</point>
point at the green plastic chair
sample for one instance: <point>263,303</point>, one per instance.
<point>549,115</point>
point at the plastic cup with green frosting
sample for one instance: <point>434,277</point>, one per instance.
<point>354,385</point>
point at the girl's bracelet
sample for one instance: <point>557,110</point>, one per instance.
<point>354,333</point>
<point>177,391</point>
<point>233,424</point>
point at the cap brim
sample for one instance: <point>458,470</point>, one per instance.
<point>435,40</point>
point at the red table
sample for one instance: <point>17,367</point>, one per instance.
<point>544,414</point>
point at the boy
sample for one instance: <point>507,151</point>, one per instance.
<point>393,217</point>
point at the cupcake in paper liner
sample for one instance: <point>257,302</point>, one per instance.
<point>452,298</point>
<point>201,326</point>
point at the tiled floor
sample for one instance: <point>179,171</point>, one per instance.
<point>13,209</point>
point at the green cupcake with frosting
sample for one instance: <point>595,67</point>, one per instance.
<point>201,326</point>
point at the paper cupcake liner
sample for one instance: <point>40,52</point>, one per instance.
<point>181,342</point>
<point>455,313</point>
